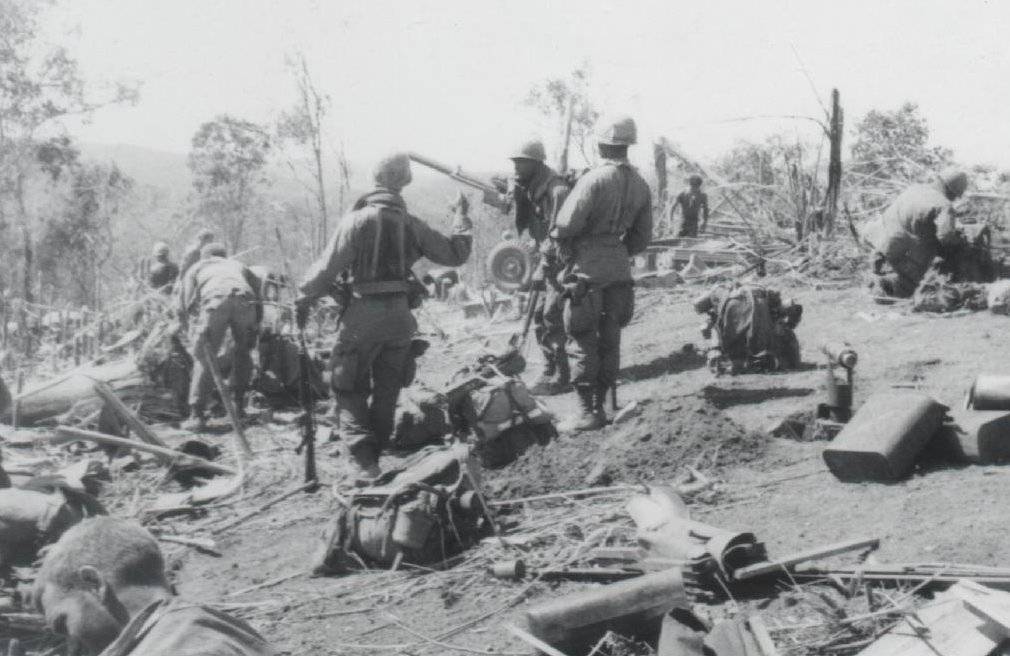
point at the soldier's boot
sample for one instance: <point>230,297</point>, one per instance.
<point>555,378</point>
<point>588,418</point>
<point>197,422</point>
<point>362,469</point>
<point>599,402</point>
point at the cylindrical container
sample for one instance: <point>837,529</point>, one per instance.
<point>884,437</point>
<point>981,437</point>
<point>634,608</point>
<point>510,570</point>
<point>841,354</point>
<point>414,522</point>
<point>990,392</point>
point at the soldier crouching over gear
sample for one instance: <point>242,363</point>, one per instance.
<point>223,295</point>
<point>103,586</point>
<point>164,271</point>
<point>539,195</point>
<point>914,229</point>
<point>373,250</point>
<point>606,219</point>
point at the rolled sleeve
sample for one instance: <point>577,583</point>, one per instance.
<point>339,255</point>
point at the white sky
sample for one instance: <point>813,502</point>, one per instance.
<point>447,77</point>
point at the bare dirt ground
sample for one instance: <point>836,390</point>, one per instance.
<point>777,488</point>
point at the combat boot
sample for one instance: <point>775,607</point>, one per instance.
<point>197,422</point>
<point>588,418</point>
<point>362,466</point>
<point>555,377</point>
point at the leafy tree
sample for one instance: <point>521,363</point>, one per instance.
<point>894,145</point>
<point>566,102</point>
<point>227,159</point>
<point>77,239</point>
<point>40,85</point>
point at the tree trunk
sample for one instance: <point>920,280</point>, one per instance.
<point>566,136</point>
<point>834,164</point>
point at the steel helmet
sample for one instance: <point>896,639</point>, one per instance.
<point>954,182</point>
<point>213,249</point>
<point>618,131</point>
<point>393,171</point>
<point>160,249</point>
<point>532,149</point>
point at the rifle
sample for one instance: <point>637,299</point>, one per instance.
<point>492,193</point>
<point>307,420</point>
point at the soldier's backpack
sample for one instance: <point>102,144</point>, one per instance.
<point>424,513</point>
<point>755,328</point>
<point>501,415</point>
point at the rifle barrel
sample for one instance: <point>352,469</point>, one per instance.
<point>449,171</point>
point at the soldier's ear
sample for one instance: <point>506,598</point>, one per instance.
<point>93,581</point>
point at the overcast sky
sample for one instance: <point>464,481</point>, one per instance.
<point>448,76</point>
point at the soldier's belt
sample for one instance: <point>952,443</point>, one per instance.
<point>379,287</point>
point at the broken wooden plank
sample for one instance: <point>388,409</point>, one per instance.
<point>761,635</point>
<point>987,603</point>
<point>784,564</point>
<point>68,434</point>
<point>242,450</point>
<point>892,574</point>
<point>132,420</point>
<point>533,641</point>
<point>943,626</point>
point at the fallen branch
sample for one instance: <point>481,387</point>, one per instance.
<point>66,434</point>
<point>132,420</point>
<point>269,504</point>
<point>242,450</point>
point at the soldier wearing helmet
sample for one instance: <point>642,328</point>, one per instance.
<point>163,272</point>
<point>606,219</point>
<point>219,295</point>
<point>539,193</point>
<point>918,226</point>
<point>371,254</point>
<point>692,203</point>
<point>192,253</point>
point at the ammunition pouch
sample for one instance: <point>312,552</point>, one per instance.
<point>424,513</point>
<point>416,292</point>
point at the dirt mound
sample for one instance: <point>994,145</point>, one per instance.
<point>666,437</point>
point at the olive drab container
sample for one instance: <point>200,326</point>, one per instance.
<point>990,392</point>
<point>885,436</point>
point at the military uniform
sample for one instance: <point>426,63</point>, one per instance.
<point>912,231</point>
<point>223,295</point>
<point>372,251</point>
<point>163,274</point>
<point>177,628</point>
<point>606,218</point>
<point>538,202</point>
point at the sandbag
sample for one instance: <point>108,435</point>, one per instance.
<point>424,513</point>
<point>937,293</point>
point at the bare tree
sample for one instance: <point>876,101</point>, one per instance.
<point>302,126</point>
<point>566,102</point>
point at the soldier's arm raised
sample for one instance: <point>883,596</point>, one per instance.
<point>453,250</point>
<point>339,255</point>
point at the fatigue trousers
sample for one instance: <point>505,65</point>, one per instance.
<point>549,328</point>
<point>593,324</point>
<point>371,363</point>
<point>897,281</point>
<point>219,314</point>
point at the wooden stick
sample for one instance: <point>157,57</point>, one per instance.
<point>533,641</point>
<point>242,450</point>
<point>206,545</point>
<point>252,513</point>
<point>782,564</point>
<point>132,420</point>
<point>760,632</point>
<point>68,434</point>
<point>568,495</point>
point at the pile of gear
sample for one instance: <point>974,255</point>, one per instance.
<point>749,328</point>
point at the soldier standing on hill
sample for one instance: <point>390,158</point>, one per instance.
<point>692,203</point>
<point>539,195</point>
<point>606,218</point>
<point>372,252</point>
